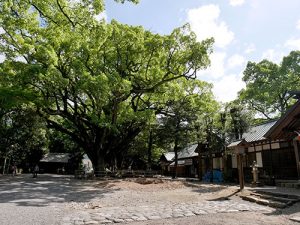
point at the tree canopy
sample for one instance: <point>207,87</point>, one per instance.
<point>99,83</point>
<point>268,85</point>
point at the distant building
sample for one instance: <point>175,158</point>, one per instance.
<point>186,164</point>
<point>63,163</point>
<point>165,160</point>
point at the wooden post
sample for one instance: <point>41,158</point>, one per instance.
<point>211,162</point>
<point>296,149</point>
<point>241,171</point>
<point>199,166</point>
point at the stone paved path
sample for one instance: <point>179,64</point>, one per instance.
<point>109,215</point>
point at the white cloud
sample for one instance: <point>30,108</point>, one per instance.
<point>235,61</point>
<point>101,16</point>
<point>226,89</point>
<point>205,22</point>
<point>236,2</point>
<point>2,58</point>
<point>298,24</point>
<point>273,55</point>
<point>20,59</point>
<point>250,48</point>
<point>293,43</point>
<point>217,68</point>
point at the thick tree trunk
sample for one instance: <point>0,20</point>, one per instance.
<point>99,164</point>
<point>96,155</point>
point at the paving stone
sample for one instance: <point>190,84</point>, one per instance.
<point>189,214</point>
<point>295,218</point>
<point>91,222</point>
<point>78,223</point>
<point>178,215</point>
<point>232,210</point>
<point>118,220</point>
<point>153,217</point>
<point>152,212</point>
<point>97,218</point>
<point>105,221</point>
<point>166,215</point>
<point>199,212</point>
<point>142,218</point>
<point>134,217</point>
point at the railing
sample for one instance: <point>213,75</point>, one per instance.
<point>81,174</point>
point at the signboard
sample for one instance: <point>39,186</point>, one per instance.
<point>188,162</point>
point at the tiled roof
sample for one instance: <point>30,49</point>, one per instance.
<point>257,133</point>
<point>235,143</point>
<point>188,152</point>
<point>169,156</point>
<point>56,157</point>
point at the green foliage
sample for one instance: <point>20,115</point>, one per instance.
<point>98,83</point>
<point>268,85</point>
<point>22,136</point>
<point>185,111</point>
<point>61,143</point>
<point>238,119</point>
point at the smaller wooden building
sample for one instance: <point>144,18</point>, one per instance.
<point>165,160</point>
<point>187,164</point>
<point>55,163</point>
<point>64,163</point>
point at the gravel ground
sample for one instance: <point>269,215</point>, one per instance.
<point>50,199</point>
<point>28,201</point>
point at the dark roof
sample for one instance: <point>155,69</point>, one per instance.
<point>254,134</point>
<point>257,133</point>
<point>56,157</point>
<point>179,163</point>
<point>287,125</point>
<point>188,152</point>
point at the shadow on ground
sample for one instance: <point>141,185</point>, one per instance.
<point>224,198</point>
<point>46,189</point>
<point>202,188</point>
<point>294,209</point>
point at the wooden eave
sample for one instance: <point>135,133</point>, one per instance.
<point>286,126</point>
<point>235,144</point>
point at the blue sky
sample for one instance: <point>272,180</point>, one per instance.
<point>244,30</point>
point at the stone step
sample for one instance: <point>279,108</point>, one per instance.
<point>277,194</point>
<point>274,204</point>
<point>288,201</point>
<point>289,185</point>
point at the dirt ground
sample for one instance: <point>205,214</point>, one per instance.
<point>54,198</point>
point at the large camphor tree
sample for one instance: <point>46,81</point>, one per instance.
<point>97,82</point>
<point>268,85</point>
